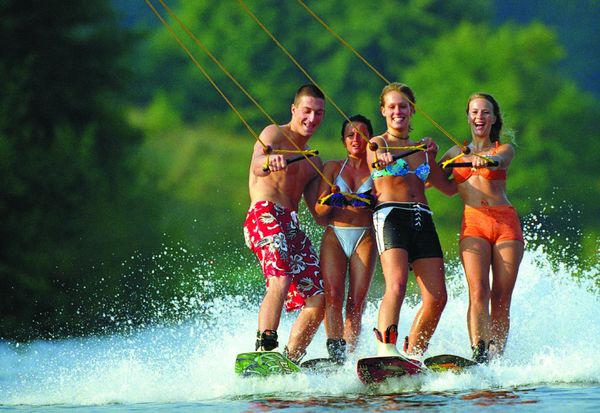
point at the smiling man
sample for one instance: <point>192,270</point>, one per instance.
<point>288,260</point>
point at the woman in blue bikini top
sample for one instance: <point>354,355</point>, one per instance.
<point>404,230</point>
<point>401,168</point>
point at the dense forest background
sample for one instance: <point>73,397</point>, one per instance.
<point>124,172</point>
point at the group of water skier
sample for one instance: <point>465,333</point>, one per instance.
<point>377,204</point>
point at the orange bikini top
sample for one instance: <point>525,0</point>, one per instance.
<point>464,173</point>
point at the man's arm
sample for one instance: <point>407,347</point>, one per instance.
<point>270,135</point>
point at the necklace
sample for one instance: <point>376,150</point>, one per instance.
<point>396,136</point>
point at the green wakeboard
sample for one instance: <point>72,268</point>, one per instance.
<point>264,364</point>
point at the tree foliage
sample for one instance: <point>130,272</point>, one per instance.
<point>64,148</point>
<point>445,50</point>
<point>389,34</point>
<point>552,119</point>
<point>111,147</point>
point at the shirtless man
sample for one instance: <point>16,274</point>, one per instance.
<point>288,260</point>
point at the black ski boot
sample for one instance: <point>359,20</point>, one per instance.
<point>480,353</point>
<point>266,341</point>
<point>336,347</point>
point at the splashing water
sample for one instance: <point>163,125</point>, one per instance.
<point>554,337</point>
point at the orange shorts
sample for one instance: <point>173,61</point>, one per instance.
<point>493,223</point>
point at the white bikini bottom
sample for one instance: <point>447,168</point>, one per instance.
<point>349,237</point>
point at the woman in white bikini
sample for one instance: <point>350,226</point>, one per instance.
<point>348,244</point>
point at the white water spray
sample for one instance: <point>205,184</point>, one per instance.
<point>554,337</point>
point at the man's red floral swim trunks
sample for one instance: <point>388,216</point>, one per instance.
<point>273,234</point>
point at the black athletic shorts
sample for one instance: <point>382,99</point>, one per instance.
<point>406,225</point>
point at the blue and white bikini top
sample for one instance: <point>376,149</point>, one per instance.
<point>344,187</point>
<point>400,168</point>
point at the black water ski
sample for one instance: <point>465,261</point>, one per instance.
<point>448,362</point>
<point>320,365</point>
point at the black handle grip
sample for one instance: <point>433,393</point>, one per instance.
<point>398,156</point>
<point>467,164</point>
<point>297,158</point>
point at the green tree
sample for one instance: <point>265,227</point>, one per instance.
<point>431,45</point>
<point>576,25</point>
<point>64,144</point>
<point>389,34</point>
<point>552,119</point>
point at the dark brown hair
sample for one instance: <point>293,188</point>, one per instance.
<point>358,118</point>
<point>308,90</point>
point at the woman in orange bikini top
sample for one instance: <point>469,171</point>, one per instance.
<point>491,232</point>
<point>462,174</point>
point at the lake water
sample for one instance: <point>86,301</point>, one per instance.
<point>552,361</point>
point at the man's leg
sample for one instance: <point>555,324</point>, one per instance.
<point>269,244</point>
<point>272,304</point>
<point>270,314</point>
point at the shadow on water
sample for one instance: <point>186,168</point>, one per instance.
<point>499,397</point>
<point>396,402</point>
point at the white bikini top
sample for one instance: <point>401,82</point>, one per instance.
<point>344,187</point>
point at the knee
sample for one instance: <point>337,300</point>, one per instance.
<point>275,294</point>
<point>479,294</point>
<point>396,289</point>
<point>440,300</point>
<point>437,302</point>
<point>334,297</point>
<point>317,316</point>
<point>501,295</point>
<point>315,304</point>
<point>500,302</point>
<point>354,308</point>
<point>278,287</point>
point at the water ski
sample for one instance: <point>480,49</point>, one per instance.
<point>263,364</point>
<point>448,362</point>
<point>320,365</point>
<point>377,369</point>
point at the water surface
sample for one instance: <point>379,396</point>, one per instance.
<point>552,362</point>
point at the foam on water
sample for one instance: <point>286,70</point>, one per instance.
<point>554,337</point>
